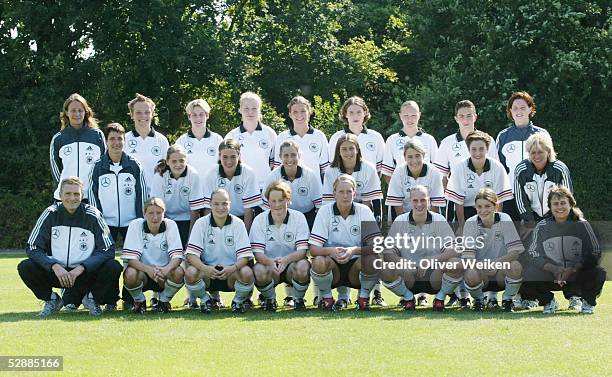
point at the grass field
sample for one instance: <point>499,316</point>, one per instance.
<point>382,342</point>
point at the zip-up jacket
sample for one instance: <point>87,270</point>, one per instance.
<point>511,146</point>
<point>82,238</point>
<point>73,152</point>
<point>566,244</point>
<point>119,196</point>
<point>531,189</point>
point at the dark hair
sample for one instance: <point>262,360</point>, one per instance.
<point>478,135</point>
<point>465,103</point>
<point>354,101</point>
<point>337,162</point>
<point>564,192</point>
<point>114,127</point>
<point>524,96</point>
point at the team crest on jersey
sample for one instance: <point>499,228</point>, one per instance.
<point>132,143</point>
<point>488,184</point>
<point>370,146</point>
<point>89,160</point>
<point>360,185</point>
<point>355,230</point>
<point>229,241</point>
<point>313,147</point>
<point>238,189</point>
<point>289,237</point>
<point>531,187</point>
<point>498,235</point>
<point>510,148</point>
<point>210,151</point>
<point>185,190</point>
<point>456,147</point>
<point>128,190</point>
<point>55,233</point>
<point>164,246</point>
<point>263,144</point>
<point>471,178</point>
<point>156,151</point>
<point>105,181</point>
<point>67,151</point>
<point>303,191</point>
<point>549,246</point>
<point>220,182</point>
<point>83,246</point>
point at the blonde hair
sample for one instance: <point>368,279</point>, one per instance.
<point>158,202</point>
<point>73,180</point>
<point>198,102</point>
<point>141,98</point>
<point>281,186</point>
<point>90,119</point>
<point>542,140</point>
<point>410,103</point>
<point>254,97</point>
<point>345,178</point>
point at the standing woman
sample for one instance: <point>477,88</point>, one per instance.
<point>415,171</point>
<point>78,145</point>
<point>348,160</point>
<point>178,184</point>
<point>200,142</point>
<point>256,139</point>
<point>305,184</point>
<point>144,143</point>
<point>511,146</point>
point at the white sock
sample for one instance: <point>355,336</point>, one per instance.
<point>399,288</point>
<point>242,291</point>
<point>267,291</point>
<point>449,284</point>
<point>198,289</point>
<point>323,282</point>
<point>170,290</point>
<point>512,288</point>
<point>136,293</point>
<point>299,289</point>
<point>367,283</point>
<point>476,291</point>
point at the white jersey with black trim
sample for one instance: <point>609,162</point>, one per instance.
<point>464,182</point>
<point>203,153</point>
<point>425,240</point>
<point>277,241</point>
<point>153,250</point>
<point>330,229</point>
<point>181,195</point>
<point>491,243</point>
<point>313,149</point>
<point>368,182</point>
<point>371,144</point>
<point>398,193</point>
<point>256,149</point>
<point>148,151</point>
<point>73,152</point>
<point>219,246</point>
<point>242,188</point>
<point>453,149</point>
<point>394,149</point>
<point>306,188</point>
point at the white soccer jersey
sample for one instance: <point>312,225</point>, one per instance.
<point>423,241</point>
<point>279,241</point>
<point>371,144</point>
<point>464,183</point>
<point>313,149</point>
<point>368,183</point>
<point>394,149</point>
<point>306,188</point>
<point>181,195</point>
<point>330,229</point>
<point>149,249</point>
<point>402,182</point>
<point>454,149</point>
<point>203,153</point>
<point>242,188</point>
<point>219,246</point>
<point>256,149</point>
<point>496,241</point>
<point>148,151</point>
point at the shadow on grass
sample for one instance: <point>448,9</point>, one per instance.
<point>258,314</point>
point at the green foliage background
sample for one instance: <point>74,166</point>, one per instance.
<point>436,52</point>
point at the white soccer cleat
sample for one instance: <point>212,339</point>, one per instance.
<point>587,308</point>
<point>575,303</point>
<point>551,307</point>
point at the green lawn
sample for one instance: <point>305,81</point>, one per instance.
<point>382,342</point>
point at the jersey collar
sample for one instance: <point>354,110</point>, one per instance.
<point>162,227</point>
<point>228,220</point>
<point>222,172</point>
<point>206,134</point>
<point>151,132</point>
<point>337,211</point>
<point>298,173</point>
<point>419,133</point>
<point>423,171</point>
<point>487,165</point>
<point>258,128</point>
<point>293,133</point>
<point>458,136</point>
<point>357,167</point>
<point>495,220</point>
<point>106,161</point>
<point>271,220</point>
<point>347,130</point>
<point>428,220</point>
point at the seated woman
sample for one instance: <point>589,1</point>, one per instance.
<point>565,256</point>
<point>154,253</point>
<point>492,237</point>
<point>219,252</point>
<point>279,238</point>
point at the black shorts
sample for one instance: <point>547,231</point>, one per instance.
<point>423,285</point>
<point>344,273</point>
<point>219,285</point>
<point>492,286</point>
<point>151,285</point>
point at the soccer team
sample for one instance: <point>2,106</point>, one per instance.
<point>256,209</point>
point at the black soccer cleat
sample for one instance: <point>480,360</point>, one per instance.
<point>270,305</point>
<point>464,303</point>
<point>478,305</point>
<point>288,302</point>
<point>206,307</point>
<point>163,307</point>
<point>139,307</point>
<point>299,304</point>
<point>340,304</point>
<point>238,308</point>
<point>508,306</point>
<point>378,300</point>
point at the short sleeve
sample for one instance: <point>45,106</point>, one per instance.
<point>173,238</point>
<point>258,233</point>
<point>132,246</point>
<point>320,228</point>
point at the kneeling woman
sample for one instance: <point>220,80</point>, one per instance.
<point>279,238</point>
<point>153,253</point>
<point>339,246</point>
<point>496,240</point>
<point>219,252</point>
<point>565,255</point>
